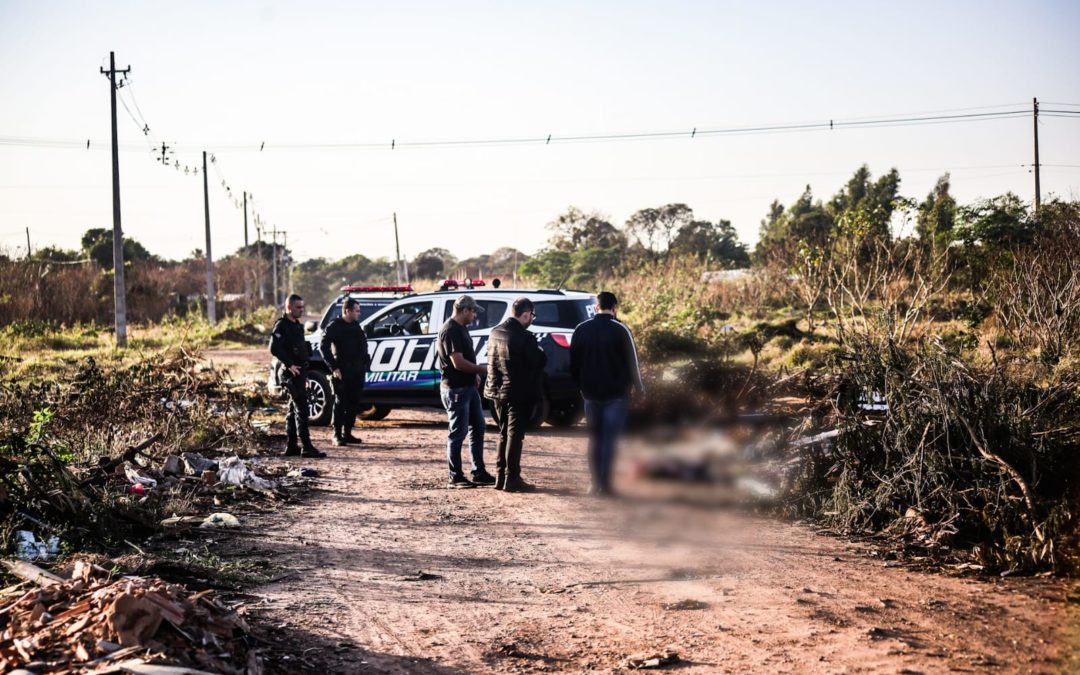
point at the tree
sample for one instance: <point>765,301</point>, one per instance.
<point>432,263</point>
<point>575,229</point>
<point>936,216</point>
<point>97,244</point>
<point>655,228</point>
<point>717,243</point>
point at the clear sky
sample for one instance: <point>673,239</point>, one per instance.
<point>229,76</point>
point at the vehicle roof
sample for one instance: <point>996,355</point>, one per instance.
<point>546,293</point>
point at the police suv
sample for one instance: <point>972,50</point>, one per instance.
<point>402,343</point>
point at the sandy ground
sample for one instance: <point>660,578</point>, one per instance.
<point>396,573</point>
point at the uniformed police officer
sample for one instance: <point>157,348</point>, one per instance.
<point>344,349</point>
<point>287,343</point>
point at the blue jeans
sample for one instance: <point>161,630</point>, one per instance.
<point>605,419</point>
<point>466,413</point>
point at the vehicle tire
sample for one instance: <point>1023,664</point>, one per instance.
<point>375,412</point>
<point>320,399</point>
<point>566,412</point>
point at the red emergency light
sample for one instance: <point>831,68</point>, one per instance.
<point>448,284</point>
<point>377,289</point>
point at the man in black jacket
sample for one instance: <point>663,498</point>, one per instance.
<point>344,349</point>
<point>604,363</point>
<point>514,385</point>
<point>287,343</point>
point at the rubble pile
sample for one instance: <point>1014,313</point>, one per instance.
<point>96,623</point>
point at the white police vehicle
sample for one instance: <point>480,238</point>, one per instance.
<point>402,342</point>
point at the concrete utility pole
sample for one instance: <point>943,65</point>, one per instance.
<point>245,221</point>
<point>1038,191</point>
<point>274,253</point>
<point>119,300</point>
<point>258,268</point>
<point>28,251</point>
<point>211,305</point>
<point>397,249</point>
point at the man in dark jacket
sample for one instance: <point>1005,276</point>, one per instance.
<point>604,363</point>
<point>287,343</point>
<point>514,385</point>
<point>344,349</point>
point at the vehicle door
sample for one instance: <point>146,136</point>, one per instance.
<point>401,343</point>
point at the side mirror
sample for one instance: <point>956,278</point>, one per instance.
<point>310,326</point>
<point>369,331</point>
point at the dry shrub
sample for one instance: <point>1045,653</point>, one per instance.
<point>981,461</point>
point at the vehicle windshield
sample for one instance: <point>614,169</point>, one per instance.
<point>368,306</point>
<point>563,313</point>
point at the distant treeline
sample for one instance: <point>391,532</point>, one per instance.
<point>584,249</point>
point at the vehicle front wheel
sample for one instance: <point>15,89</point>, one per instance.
<point>320,399</point>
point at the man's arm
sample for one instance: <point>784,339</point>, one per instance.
<point>575,356</point>
<point>464,365</point>
<point>277,345</point>
<point>326,345</point>
<point>630,355</point>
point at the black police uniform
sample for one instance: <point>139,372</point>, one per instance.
<point>287,343</point>
<point>344,347</point>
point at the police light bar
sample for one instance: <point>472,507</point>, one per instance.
<point>377,289</point>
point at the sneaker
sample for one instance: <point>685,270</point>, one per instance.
<point>338,442</point>
<point>292,451</point>
<point>458,482</point>
<point>483,478</point>
<point>312,452</point>
<point>349,439</point>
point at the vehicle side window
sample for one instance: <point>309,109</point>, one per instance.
<point>413,318</point>
<point>490,314</point>
<point>332,312</point>
<point>563,313</point>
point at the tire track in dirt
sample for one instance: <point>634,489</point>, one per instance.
<point>558,581</point>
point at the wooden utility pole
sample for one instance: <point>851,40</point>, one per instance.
<point>119,300</point>
<point>211,305</point>
<point>1038,190</point>
<point>28,251</point>
<point>397,251</point>
<point>245,221</point>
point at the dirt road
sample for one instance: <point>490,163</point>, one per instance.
<point>398,574</point>
<point>559,581</point>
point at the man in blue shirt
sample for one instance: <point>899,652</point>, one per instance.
<point>604,363</point>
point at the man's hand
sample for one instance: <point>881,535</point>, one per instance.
<point>337,373</point>
<point>295,370</point>
<point>478,381</point>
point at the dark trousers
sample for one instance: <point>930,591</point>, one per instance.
<point>347,400</point>
<point>605,419</point>
<point>296,421</point>
<point>513,419</point>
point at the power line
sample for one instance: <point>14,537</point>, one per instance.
<point>548,139</point>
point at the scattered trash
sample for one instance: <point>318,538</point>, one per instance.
<point>195,464</point>
<point>659,660</point>
<point>181,521</point>
<point>135,477</point>
<point>235,471</point>
<point>684,604</point>
<point>419,575</point>
<point>816,438</point>
<point>138,489</point>
<point>220,520</point>
<point>173,466</point>
<point>27,547</point>
<point>94,617</point>
<point>303,473</point>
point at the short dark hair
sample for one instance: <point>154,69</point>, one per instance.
<point>522,305</point>
<point>293,298</point>
<point>606,300</point>
<point>350,303</point>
